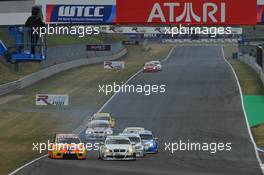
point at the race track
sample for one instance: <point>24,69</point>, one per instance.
<point>201,104</point>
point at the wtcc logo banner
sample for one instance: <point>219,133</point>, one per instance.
<point>207,12</point>
<point>54,100</point>
<point>93,14</point>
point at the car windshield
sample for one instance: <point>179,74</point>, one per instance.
<point>146,136</point>
<point>99,125</point>
<point>68,140</point>
<point>117,141</point>
<point>150,65</point>
<point>134,139</point>
<point>101,118</point>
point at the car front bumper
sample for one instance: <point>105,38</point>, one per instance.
<point>151,149</point>
<point>96,136</point>
<point>67,155</point>
<point>120,156</point>
<point>140,153</point>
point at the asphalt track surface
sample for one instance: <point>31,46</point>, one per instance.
<point>201,104</point>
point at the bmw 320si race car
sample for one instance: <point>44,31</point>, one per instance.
<point>117,148</point>
<point>98,129</point>
<point>67,146</point>
<point>150,143</point>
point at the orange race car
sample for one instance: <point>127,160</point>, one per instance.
<point>67,146</point>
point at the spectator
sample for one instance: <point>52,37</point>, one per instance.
<point>34,21</point>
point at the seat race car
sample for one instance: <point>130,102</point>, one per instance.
<point>98,129</point>
<point>136,142</point>
<point>117,148</point>
<point>149,141</point>
<point>133,129</point>
<point>150,67</point>
<point>67,146</point>
<point>104,116</point>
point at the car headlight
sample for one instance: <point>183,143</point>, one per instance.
<point>130,150</point>
<point>108,150</point>
<point>89,132</point>
<point>109,132</point>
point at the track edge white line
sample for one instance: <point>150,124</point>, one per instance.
<point>244,110</point>
<point>108,101</point>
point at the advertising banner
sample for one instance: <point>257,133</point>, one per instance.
<point>98,47</point>
<point>260,14</point>
<point>93,14</point>
<point>54,100</point>
<point>114,64</point>
<point>207,12</point>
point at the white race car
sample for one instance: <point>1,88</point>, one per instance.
<point>133,129</point>
<point>98,129</point>
<point>117,148</point>
<point>158,64</point>
<point>136,142</point>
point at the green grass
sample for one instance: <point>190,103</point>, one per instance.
<point>8,73</point>
<point>253,92</point>
<point>248,78</point>
<point>22,123</point>
<point>20,130</point>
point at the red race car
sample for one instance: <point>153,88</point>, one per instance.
<point>150,67</point>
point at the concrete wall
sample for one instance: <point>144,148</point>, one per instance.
<point>45,73</point>
<point>248,54</point>
<point>62,54</point>
<point>251,61</point>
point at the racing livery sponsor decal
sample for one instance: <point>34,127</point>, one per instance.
<point>208,12</point>
<point>55,100</point>
<point>114,64</point>
<point>65,13</point>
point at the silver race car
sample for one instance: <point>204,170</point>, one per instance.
<point>117,148</point>
<point>137,143</point>
<point>98,129</point>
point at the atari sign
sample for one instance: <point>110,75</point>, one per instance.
<point>207,12</point>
